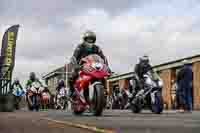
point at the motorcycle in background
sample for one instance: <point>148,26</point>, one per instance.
<point>89,86</point>
<point>18,94</point>
<point>61,101</point>
<point>45,100</point>
<point>34,96</point>
<point>149,95</point>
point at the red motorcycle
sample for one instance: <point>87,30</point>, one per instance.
<point>89,86</point>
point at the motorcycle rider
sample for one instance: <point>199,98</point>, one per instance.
<point>84,49</point>
<point>32,78</point>
<point>61,84</point>
<point>142,68</point>
<point>46,89</point>
<point>15,84</point>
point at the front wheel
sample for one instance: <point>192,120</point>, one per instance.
<point>63,103</point>
<point>157,106</point>
<point>136,107</point>
<point>17,102</point>
<point>30,103</point>
<point>98,100</point>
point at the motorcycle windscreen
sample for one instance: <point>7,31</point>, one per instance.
<point>94,58</point>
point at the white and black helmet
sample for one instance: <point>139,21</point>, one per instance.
<point>144,58</point>
<point>89,37</point>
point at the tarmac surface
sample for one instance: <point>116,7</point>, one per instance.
<point>112,121</point>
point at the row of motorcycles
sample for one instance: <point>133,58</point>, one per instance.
<point>37,98</point>
<point>140,95</point>
<point>90,93</point>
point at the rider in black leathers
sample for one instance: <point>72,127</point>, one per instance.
<point>84,49</point>
<point>142,68</point>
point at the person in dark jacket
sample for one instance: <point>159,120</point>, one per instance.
<point>82,50</point>
<point>184,80</point>
<point>142,68</point>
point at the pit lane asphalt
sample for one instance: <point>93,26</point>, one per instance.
<point>124,121</point>
<point>118,121</point>
<point>32,122</point>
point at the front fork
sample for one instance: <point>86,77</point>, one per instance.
<point>153,96</point>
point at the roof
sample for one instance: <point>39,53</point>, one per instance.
<point>176,63</point>
<point>159,67</point>
<point>121,76</point>
<point>52,73</point>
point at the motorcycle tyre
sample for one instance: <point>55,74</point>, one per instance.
<point>136,108</point>
<point>99,100</point>
<point>157,108</point>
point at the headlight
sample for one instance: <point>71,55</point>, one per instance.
<point>97,65</point>
<point>160,83</point>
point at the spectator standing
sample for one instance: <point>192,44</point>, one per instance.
<point>184,80</point>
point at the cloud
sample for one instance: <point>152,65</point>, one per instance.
<point>136,35</point>
<point>166,30</point>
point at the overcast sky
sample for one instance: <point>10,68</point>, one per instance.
<point>126,29</point>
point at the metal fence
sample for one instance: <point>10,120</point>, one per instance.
<point>5,79</point>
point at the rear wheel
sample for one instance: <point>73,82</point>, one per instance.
<point>17,102</point>
<point>63,104</point>
<point>30,106</point>
<point>37,103</point>
<point>136,107</point>
<point>98,100</point>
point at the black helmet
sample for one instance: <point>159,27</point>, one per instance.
<point>89,37</point>
<point>61,82</point>
<point>144,59</point>
<point>32,76</point>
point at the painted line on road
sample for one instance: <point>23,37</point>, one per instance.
<point>91,128</point>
